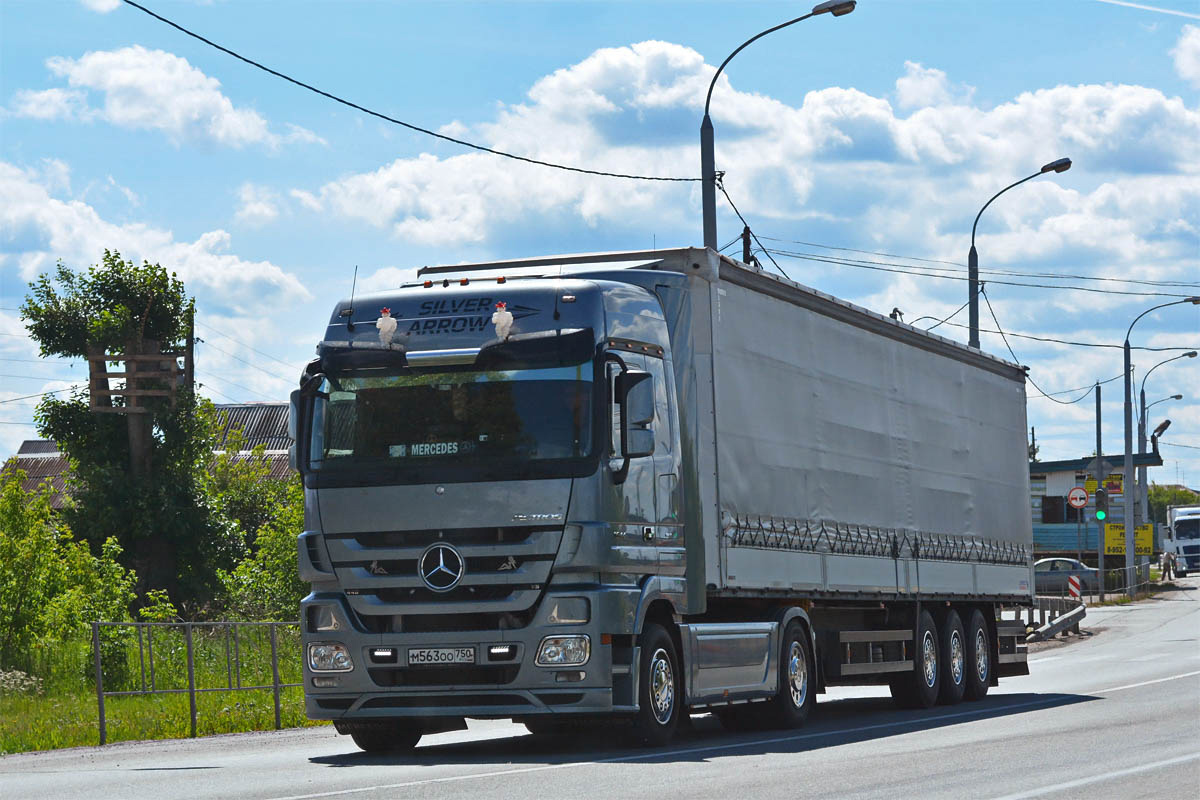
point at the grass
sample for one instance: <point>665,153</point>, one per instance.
<point>56,721</point>
<point>66,714</point>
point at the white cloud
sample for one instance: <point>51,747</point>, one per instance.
<point>39,228</point>
<point>258,205</point>
<point>102,6</point>
<point>152,90</point>
<point>921,86</point>
<point>1187,55</point>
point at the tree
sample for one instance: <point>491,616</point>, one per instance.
<point>167,524</point>
<point>1163,496</point>
<point>267,584</point>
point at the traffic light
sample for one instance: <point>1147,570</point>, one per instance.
<point>1101,505</point>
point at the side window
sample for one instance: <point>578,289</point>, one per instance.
<point>662,415</point>
<point>633,361</point>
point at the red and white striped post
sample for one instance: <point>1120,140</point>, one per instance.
<point>1073,586</point>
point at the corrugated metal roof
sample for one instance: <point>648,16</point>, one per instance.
<point>260,423</point>
<point>41,469</point>
<point>31,447</point>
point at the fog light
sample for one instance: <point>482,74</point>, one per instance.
<point>568,611</point>
<point>329,657</point>
<point>326,683</point>
<point>570,676</point>
<point>502,652</point>
<point>564,651</point>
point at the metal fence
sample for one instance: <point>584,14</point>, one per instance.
<point>113,648</point>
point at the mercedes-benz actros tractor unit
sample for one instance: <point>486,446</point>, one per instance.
<point>643,485</point>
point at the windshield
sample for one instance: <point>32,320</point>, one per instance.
<point>1187,528</point>
<point>455,425</point>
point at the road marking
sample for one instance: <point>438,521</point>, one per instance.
<point>1060,787</point>
<point>1147,683</point>
<point>725,746</point>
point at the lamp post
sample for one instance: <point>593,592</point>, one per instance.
<point>1061,165</point>
<point>1127,487</point>
<point>1143,487</point>
<point>708,170</point>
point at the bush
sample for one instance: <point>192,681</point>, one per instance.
<point>267,585</point>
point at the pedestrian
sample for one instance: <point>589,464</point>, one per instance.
<point>1168,566</point>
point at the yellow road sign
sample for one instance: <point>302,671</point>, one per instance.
<point>1114,539</point>
<point>1114,483</point>
<point>1090,485</point>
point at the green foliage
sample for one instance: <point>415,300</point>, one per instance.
<point>267,585</point>
<point>1163,496</point>
<point>172,527</point>
<point>157,607</point>
<point>51,587</point>
<point>242,485</point>
<point>113,303</point>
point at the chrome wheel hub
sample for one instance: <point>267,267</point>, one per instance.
<point>797,674</point>
<point>957,658</point>
<point>662,686</point>
<point>981,656</point>
<point>929,658</point>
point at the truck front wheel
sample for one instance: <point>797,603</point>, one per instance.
<point>385,736</point>
<point>954,660</point>
<point>659,695</point>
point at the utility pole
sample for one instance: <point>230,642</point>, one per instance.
<point>1099,482</point>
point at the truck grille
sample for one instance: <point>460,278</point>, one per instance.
<point>506,570</point>
<point>445,676</point>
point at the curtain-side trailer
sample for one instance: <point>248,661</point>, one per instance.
<point>647,484</point>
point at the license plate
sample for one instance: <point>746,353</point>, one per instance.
<point>422,656</point>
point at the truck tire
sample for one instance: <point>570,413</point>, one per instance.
<point>979,657</point>
<point>953,655</point>
<point>385,736</point>
<point>919,688</point>
<point>794,702</point>
<point>659,695</point>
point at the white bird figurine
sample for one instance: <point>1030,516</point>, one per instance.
<point>502,318</point>
<point>386,325</point>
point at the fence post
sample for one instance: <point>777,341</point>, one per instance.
<point>191,670</point>
<point>275,672</point>
<point>99,682</point>
<point>141,656</point>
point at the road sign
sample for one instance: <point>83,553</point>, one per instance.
<point>1099,468</point>
<point>1091,485</point>
<point>1114,483</point>
<point>1114,539</point>
<point>1073,585</point>
<point>1077,497</point>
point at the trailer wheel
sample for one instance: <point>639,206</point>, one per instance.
<point>794,702</point>
<point>919,688</point>
<point>659,694</point>
<point>979,657</point>
<point>954,660</point>
<point>385,736</point>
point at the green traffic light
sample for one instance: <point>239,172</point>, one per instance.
<point>1101,514</point>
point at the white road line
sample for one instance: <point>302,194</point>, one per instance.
<point>650,756</point>
<point>1061,787</point>
<point>1147,683</point>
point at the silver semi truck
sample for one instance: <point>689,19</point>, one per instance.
<point>643,485</point>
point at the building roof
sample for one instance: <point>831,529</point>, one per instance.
<point>261,424</point>
<point>1080,464</point>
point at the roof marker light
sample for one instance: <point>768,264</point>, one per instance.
<point>428,284</point>
<point>502,279</point>
<point>464,281</point>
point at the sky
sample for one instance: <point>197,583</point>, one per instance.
<point>858,148</point>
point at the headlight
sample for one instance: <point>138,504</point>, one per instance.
<point>568,611</point>
<point>329,657</point>
<point>564,651</point>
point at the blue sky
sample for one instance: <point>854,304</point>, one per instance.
<point>882,131</point>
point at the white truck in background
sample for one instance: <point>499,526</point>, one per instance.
<point>1183,538</point>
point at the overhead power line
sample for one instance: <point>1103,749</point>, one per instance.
<point>1053,340</point>
<point>248,347</point>
<point>402,123</point>
<point>721,185</point>
<point>42,394</point>
<point>928,272</point>
<point>1176,444</point>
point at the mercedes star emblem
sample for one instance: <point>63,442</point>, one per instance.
<point>441,567</point>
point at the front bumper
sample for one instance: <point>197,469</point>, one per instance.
<point>489,687</point>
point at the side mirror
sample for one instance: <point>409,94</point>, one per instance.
<point>636,390</point>
<point>295,424</point>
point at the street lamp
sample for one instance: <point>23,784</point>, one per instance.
<point>1126,491</point>
<point>1062,165</point>
<point>1144,491</point>
<point>708,171</point>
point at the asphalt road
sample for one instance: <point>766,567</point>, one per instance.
<point>1111,715</point>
